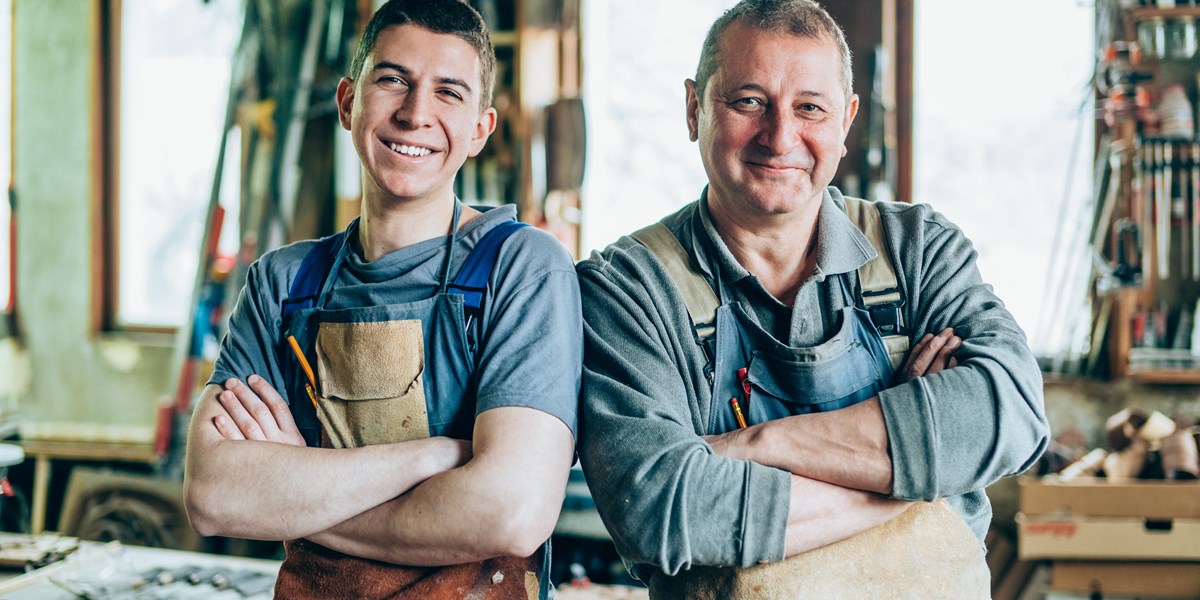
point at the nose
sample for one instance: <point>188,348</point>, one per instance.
<point>414,111</point>
<point>780,131</point>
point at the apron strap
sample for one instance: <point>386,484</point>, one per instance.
<point>879,289</point>
<point>306,286</point>
<point>472,278</point>
<point>698,295</point>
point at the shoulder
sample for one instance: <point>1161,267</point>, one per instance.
<point>919,219</point>
<point>272,274</point>
<point>537,249</point>
<point>628,258</point>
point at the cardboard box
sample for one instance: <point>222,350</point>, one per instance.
<point>1146,520</point>
<point>1136,579</point>
<point>1097,497</point>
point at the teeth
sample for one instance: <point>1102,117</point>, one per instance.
<point>407,150</point>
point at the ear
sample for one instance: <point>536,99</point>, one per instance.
<point>848,120</point>
<point>693,109</point>
<point>345,101</point>
<point>483,129</point>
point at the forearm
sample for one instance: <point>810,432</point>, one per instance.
<point>847,447</point>
<point>965,428</point>
<point>264,490</point>
<point>821,513</point>
<point>504,502</point>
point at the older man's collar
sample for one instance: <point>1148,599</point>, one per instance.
<point>841,247</point>
<point>708,243</point>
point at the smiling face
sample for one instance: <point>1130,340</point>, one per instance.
<point>772,122</point>
<point>414,113</point>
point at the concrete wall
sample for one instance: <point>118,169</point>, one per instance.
<point>82,385</point>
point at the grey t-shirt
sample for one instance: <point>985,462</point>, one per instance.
<point>671,503</point>
<point>531,339</point>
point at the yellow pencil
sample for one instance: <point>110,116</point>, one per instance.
<point>737,413</point>
<point>308,372</point>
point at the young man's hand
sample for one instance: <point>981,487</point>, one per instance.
<point>255,412</point>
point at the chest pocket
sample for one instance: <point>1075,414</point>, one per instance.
<point>371,389</point>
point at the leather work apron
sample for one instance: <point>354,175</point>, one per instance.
<point>377,367</point>
<point>927,552</point>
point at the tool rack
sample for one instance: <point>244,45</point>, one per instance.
<point>1146,226</point>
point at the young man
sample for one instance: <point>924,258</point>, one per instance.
<point>427,454</point>
<point>739,399</point>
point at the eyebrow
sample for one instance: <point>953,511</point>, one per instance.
<point>754,87</point>
<point>385,65</point>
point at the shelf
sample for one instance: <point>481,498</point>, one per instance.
<point>1167,376</point>
<point>1143,14</point>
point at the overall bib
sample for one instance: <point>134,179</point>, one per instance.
<point>386,374</point>
<point>784,381</point>
<point>927,552</point>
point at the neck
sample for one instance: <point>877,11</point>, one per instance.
<point>780,250</point>
<point>389,225</point>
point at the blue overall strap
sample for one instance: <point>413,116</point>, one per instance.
<point>311,276</point>
<point>472,278</point>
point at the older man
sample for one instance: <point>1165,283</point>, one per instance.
<point>746,395</point>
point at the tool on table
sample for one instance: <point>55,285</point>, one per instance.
<point>252,583</point>
<point>169,576</point>
<point>308,372</point>
<point>208,575</point>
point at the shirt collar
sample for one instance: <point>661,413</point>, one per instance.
<point>841,247</point>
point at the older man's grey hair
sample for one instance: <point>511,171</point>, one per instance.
<point>803,18</point>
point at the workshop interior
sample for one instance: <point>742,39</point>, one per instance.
<point>152,150</point>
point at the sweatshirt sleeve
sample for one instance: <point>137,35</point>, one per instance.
<point>963,428</point>
<point>667,499</point>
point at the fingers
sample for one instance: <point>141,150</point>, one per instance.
<point>946,354</point>
<point>226,428</point>
<point>252,417</point>
<point>280,413</point>
<point>932,354</point>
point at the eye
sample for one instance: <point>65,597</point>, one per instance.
<point>451,94</point>
<point>747,103</point>
<point>390,80</point>
<point>809,108</point>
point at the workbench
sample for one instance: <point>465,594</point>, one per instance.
<point>113,570</point>
<point>43,452</point>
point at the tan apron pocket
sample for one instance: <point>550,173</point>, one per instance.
<point>370,379</point>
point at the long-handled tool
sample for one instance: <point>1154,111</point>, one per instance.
<point>1194,201</point>
<point>1163,210</point>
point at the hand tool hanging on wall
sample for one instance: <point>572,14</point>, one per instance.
<point>1168,179</point>
<point>1194,201</point>
<point>1162,207</point>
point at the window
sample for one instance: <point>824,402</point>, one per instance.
<point>6,246</point>
<point>645,167</point>
<point>174,59</point>
<point>1003,143</point>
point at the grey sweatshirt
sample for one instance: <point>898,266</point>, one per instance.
<point>670,502</point>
